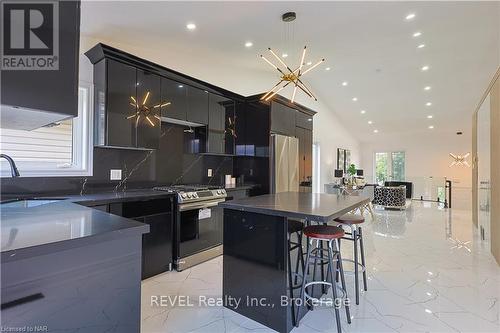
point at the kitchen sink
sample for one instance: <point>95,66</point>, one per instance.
<point>27,203</point>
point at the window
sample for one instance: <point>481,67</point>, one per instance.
<point>64,149</point>
<point>389,166</point>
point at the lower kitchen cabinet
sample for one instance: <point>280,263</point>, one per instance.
<point>157,245</point>
<point>98,283</point>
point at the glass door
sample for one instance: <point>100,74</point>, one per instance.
<point>389,166</point>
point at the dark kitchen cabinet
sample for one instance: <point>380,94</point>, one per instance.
<point>176,94</point>
<point>252,129</point>
<point>125,100</point>
<point>221,125</point>
<point>282,119</point>
<point>197,111</point>
<point>305,153</point>
<point>157,245</point>
<point>118,92</point>
<point>149,125</point>
<point>52,91</point>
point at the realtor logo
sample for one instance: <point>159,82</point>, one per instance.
<point>30,35</point>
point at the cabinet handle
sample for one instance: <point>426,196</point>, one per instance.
<point>22,300</point>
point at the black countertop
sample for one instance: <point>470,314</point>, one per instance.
<point>313,206</point>
<point>110,197</point>
<point>57,226</point>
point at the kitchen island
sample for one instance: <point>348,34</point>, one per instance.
<point>255,269</point>
<point>70,268</point>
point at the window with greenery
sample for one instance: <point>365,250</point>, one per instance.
<point>389,166</point>
<point>61,149</point>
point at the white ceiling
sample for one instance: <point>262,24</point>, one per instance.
<point>368,44</point>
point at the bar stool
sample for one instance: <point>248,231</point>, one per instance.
<point>295,227</point>
<point>356,236</point>
<point>330,235</point>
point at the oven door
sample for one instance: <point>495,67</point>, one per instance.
<point>200,227</point>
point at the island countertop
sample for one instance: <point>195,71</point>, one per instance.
<point>319,207</point>
<point>56,226</point>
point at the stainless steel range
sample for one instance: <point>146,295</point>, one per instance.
<point>198,225</point>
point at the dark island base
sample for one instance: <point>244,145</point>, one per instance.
<point>255,269</point>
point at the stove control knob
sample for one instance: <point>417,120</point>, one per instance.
<point>219,192</point>
<point>190,195</point>
<point>183,195</point>
<point>195,195</point>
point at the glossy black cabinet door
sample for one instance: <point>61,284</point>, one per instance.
<point>121,92</point>
<point>174,93</point>
<point>257,130</point>
<point>282,119</point>
<point>221,129</point>
<point>299,134</point>
<point>197,111</point>
<point>50,90</point>
<point>157,244</point>
<point>303,120</point>
<point>240,128</point>
<point>149,99</point>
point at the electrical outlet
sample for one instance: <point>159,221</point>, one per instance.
<point>115,174</point>
<point>209,174</point>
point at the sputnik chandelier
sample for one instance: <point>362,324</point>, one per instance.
<point>289,77</point>
<point>143,110</point>
<point>460,160</point>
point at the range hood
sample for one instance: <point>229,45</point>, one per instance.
<point>19,118</point>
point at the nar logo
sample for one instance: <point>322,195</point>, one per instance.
<point>30,35</point>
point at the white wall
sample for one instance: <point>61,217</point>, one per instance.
<point>427,154</point>
<point>328,132</point>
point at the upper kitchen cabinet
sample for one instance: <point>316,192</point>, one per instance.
<point>176,94</point>
<point>221,125</point>
<point>32,98</point>
<point>252,129</point>
<point>197,111</point>
<point>127,106</point>
<point>148,120</point>
<point>282,119</point>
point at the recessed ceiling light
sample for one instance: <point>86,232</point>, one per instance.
<point>427,88</point>
<point>428,311</point>
<point>429,117</point>
<point>309,63</point>
<point>327,69</point>
<point>284,55</point>
<point>421,46</point>
<point>180,86</point>
<point>431,127</point>
<point>345,83</point>
<point>410,16</point>
<point>375,131</point>
<point>354,99</point>
<point>363,111</point>
<point>428,104</point>
<point>425,68</point>
<point>370,122</point>
<point>191,26</point>
<point>248,44</point>
<point>417,34</point>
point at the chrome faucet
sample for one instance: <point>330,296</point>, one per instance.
<point>13,167</point>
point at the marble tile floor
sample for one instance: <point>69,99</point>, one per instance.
<point>428,272</point>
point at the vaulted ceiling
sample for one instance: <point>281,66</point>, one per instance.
<point>369,45</point>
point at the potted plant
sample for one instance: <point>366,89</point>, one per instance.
<point>352,172</point>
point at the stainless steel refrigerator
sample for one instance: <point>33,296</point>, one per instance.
<point>284,164</point>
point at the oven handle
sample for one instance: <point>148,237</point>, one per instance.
<point>199,205</point>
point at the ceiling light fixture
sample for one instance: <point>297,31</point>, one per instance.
<point>363,111</point>
<point>431,127</point>
<point>287,75</point>
<point>410,16</point>
<point>421,46</point>
<point>429,117</point>
<point>248,44</point>
<point>309,63</point>
<point>191,26</point>
<point>370,122</point>
<point>327,69</point>
<point>428,104</point>
<point>375,131</point>
<point>427,88</point>
<point>460,160</point>
<point>345,83</point>
<point>354,99</point>
<point>417,34</point>
<point>284,55</point>
<point>425,68</point>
